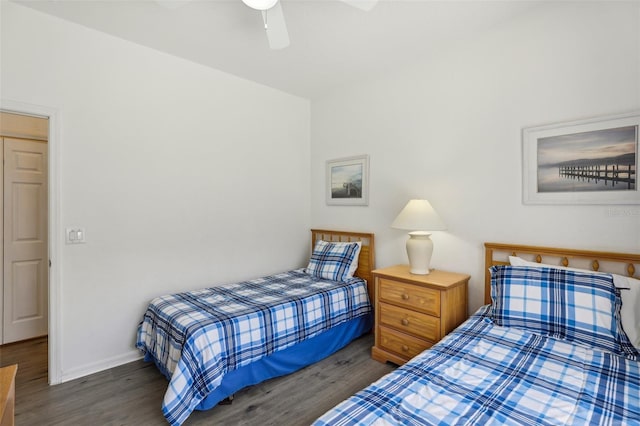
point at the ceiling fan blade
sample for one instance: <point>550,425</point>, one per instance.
<point>365,5</point>
<point>276,27</point>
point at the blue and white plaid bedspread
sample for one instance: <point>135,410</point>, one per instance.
<point>196,337</point>
<point>483,374</point>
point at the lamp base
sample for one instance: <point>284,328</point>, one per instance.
<point>419,250</point>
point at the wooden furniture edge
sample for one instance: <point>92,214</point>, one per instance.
<point>386,273</point>
<point>565,254</point>
<point>383,356</point>
<point>7,394</point>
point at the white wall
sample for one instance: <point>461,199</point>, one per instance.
<point>449,130</point>
<point>177,172</point>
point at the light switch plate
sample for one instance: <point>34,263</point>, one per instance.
<point>75,235</point>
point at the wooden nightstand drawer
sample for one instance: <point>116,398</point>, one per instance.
<point>402,344</point>
<point>412,322</point>
<point>410,296</point>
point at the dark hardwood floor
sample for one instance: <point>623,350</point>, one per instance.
<point>132,394</point>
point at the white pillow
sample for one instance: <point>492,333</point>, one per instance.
<point>629,293</point>
<point>629,314</point>
<point>354,265</point>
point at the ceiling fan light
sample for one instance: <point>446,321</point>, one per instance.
<point>260,4</point>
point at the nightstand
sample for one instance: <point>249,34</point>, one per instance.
<point>413,312</point>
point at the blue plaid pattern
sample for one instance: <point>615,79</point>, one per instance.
<point>576,306</point>
<point>483,374</point>
<point>195,338</point>
<point>332,261</point>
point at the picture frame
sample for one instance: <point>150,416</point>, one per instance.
<point>592,161</point>
<point>347,181</point>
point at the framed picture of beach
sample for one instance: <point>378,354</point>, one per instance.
<point>348,181</point>
<point>591,161</point>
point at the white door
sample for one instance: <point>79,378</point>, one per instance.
<point>26,259</point>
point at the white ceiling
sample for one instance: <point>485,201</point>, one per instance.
<point>332,43</point>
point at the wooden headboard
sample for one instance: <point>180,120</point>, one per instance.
<point>618,263</point>
<point>366,260</point>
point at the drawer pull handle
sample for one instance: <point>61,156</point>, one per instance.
<point>405,296</point>
<point>405,321</point>
<point>405,348</point>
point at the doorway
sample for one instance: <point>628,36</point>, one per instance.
<point>24,271</point>
<point>54,367</point>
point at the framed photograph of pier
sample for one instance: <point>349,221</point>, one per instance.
<point>591,161</point>
<point>348,181</point>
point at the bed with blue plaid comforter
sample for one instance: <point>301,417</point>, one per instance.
<point>196,337</point>
<point>483,374</point>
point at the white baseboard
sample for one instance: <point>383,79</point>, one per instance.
<point>96,367</point>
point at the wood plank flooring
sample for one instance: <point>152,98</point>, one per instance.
<point>132,394</point>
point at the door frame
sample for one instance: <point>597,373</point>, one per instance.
<point>55,249</point>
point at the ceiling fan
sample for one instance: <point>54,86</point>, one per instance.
<point>272,16</point>
<point>275,25</point>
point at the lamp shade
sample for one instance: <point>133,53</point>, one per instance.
<point>418,215</point>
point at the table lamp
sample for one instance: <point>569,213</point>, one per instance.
<point>420,218</point>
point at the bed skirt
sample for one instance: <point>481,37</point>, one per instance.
<point>288,360</point>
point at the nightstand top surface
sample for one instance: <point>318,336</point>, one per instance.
<point>436,277</point>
